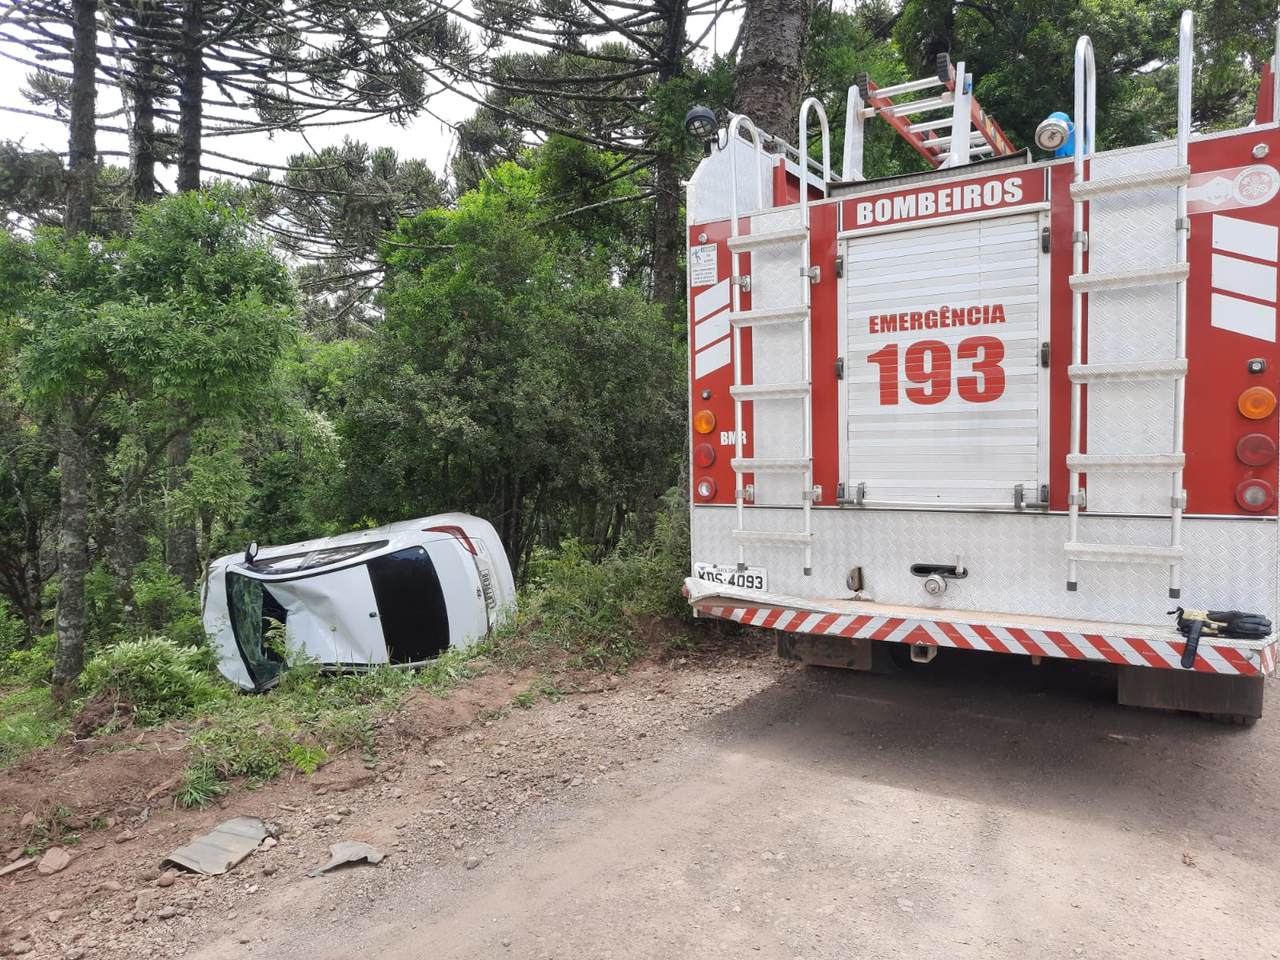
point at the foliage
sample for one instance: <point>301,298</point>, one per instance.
<point>307,758</point>
<point>1021,54</point>
<point>29,719</point>
<point>200,786</point>
<point>161,679</point>
<point>511,380</point>
<point>29,664</point>
<point>602,613</point>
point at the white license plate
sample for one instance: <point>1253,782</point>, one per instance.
<point>728,574</point>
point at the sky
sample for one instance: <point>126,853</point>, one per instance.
<point>427,137</point>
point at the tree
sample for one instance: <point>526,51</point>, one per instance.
<point>221,68</point>
<point>769,78</point>
<point>333,209</point>
<point>1021,55</point>
<point>510,377</point>
<point>613,75</point>
<point>28,506</point>
<point>136,341</point>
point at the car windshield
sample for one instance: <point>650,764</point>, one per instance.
<point>257,621</point>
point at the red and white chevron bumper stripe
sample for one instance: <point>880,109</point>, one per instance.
<point>1214,656</point>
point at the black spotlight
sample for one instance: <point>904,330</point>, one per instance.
<point>700,122</point>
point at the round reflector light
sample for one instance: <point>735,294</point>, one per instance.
<point>704,421</point>
<point>1256,450</point>
<point>1255,495</point>
<point>706,488</point>
<point>1257,402</point>
<point>704,455</point>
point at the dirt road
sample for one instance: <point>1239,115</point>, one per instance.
<point>974,809</point>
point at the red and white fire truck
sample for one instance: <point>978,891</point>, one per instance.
<point>1005,405</point>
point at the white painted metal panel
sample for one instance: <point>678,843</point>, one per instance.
<point>944,410</point>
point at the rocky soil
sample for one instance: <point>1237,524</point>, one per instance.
<point>455,774</point>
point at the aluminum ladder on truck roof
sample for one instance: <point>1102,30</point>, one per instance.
<point>787,250</point>
<point>1102,373</point>
<point>948,128</point>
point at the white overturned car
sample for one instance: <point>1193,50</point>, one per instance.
<point>399,594</point>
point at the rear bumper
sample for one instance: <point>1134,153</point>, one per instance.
<point>1119,643</point>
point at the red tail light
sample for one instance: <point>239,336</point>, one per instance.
<point>1256,450</point>
<point>1255,495</point>
<point>457,532</point>
<point>704,455</point>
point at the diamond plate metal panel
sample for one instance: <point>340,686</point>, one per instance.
<point>1015,561</point>
<point>1131,230</point>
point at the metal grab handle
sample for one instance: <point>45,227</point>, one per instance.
<point>813,103</point>
<point>738,122</point>
<point>1085,101</point>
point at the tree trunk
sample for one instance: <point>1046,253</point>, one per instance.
<point>190,96</point>
<point>668,228</point>
<point>769,78</point>
<point>181,550</point>
<point>73,554</point>
<point>73,533</point>
<point>82,142</point>
<point>142,133</point>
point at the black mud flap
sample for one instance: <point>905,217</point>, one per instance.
<point>1217,696</point>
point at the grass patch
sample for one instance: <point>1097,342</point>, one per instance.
<point>200,786</point>
<point>29,719</point>
<point>601,612</point>
<point>544,687</point>
<point>304,721</point>
<point>53,828</point>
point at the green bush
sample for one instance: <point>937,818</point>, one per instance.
<point>163,605</point>
<point>160,678</point>
<point>28,719</point>
<point>30,666</point>
<point>13,633</point>
<point>596,609</point>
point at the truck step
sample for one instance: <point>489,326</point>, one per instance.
<point>770,465</point>
<point>1136,462</point>
<point>1124,553</point>
<point>1146,180</point>
<point>1127,372</point>
<point>769,315</point>
<point>751,241</point>
<point>798,390</point>
<point>1127,279</point>
<point>773,536</point>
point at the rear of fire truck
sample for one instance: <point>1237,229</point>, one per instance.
<point>1002,405</point>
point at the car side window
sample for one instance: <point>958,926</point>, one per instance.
<point>411,605</point>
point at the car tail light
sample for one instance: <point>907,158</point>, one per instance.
<point>704,455</point>
<point>1256,450</point>
<point>457,533</point>
<point>1255,495</point>
<point>1257,403</point>
<point>705,488</point>
<point>704,421</point>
